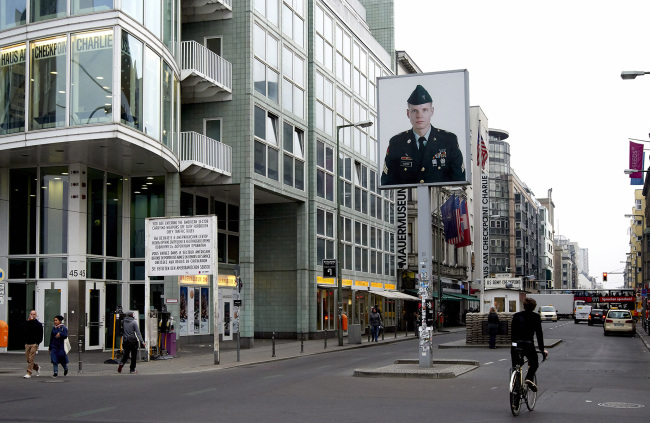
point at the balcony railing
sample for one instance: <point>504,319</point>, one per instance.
<point>200,150</point>
<point>197,62</point>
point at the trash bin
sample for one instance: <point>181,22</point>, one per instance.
<point>354,334</point>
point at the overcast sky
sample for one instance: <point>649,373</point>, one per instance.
<point>549,74</point>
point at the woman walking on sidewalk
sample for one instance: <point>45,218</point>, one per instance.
<point>57,346</point>
<point>375,323</point>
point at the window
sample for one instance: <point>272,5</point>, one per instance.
<point>325,235</point>
<point>152,95</point>
<point>294,163</point>
<point>213,44</point>
<point>12,98</point>
<point>12,13</point>
<point>91,77</point>
<point>131,82</point>
<point>324,48</point>
<point>361,188</point>
<point>292,21</point>
<point>324,171</point>
<point>212,129</point>
<point>345,174</point>
<point>265,67</point>
<point>324,104</point>
<point>266,144</point>
<point>48,9</point>
<point>269,9</point>
<point>48,87</point>
<point>293,82</point>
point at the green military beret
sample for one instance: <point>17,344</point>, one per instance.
<point>419,96</point>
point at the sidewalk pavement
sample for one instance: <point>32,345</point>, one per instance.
<point>645,338</point>
<point>197,357</point>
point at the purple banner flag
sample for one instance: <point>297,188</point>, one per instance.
<point>636,159</point>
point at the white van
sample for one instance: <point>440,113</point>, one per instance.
<point>582,313</point>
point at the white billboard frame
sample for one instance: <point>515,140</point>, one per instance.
<point>449,91</point>
<point>169,243</point>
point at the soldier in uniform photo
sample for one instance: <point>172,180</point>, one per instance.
<point>422,154</point>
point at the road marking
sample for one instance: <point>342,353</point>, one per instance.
<point>202,391</point>
<point>503,359</point>
<point>89,412</point>
<point>489,362</point>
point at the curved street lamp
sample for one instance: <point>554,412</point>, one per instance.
<point>632,74</point>
<point>339,249</point>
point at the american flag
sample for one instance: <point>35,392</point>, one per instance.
<point>459,238</point>
<point>481,152</point>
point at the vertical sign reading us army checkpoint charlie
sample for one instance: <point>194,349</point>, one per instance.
<point>183,246</point>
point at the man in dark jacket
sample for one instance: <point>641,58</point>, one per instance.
<point>33,334</point>
<point>526,324</point>
<point>131,339</point>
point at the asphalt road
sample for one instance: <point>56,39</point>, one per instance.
<point>588,378</point>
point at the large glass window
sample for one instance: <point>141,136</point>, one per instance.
<point>131,81</point>
<point>294,164</point>
<point>213,129</point>
<point>12,95</point>
<point>167,104</point>
<point>147,200</point>
<point>134,8</point>
<point>324,171</point>
<point>168,22</point>
<point>12,13</point>
<point>265,67</point>
<point>90,6</point>
<point>54,210</point>
<point>47,9</point>
<point>114,202</point>
<point>152,16</point>
<point>152,94</point>
<point>22,211</point>
<point>91,77</point>
<point>268,8</point>
<point>47,90</point>
<point>95,221</point>
<point>266,153</point>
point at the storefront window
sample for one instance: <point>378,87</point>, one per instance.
<point>131,85</point>
<point>167,105</point>
<point>194,305</point>
<point>47,9</point>
<point>52,267</point>
<point>152,94</point>
<point>326,310</point>
<point>47,89</point>
<point>12,13</point>
<point>12,96</point>
<point>22,211</point>
<point>54,210</point>
<point>91,77</point>
<point>89,6</point>
<point>147,200</point>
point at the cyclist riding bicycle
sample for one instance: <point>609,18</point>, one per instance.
<point>525,324</point>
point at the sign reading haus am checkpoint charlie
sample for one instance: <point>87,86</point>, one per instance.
<point>181,245</point>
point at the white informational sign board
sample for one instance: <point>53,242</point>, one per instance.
<point>503,283</point>
<point>180,246</point>
<point>176,246</point>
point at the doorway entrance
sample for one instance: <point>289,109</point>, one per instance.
<point>95,315</point>
<point>52,300</point>
<point>20,303</point>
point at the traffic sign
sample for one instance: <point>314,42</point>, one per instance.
<point>2,275</point>
<point>329,268</point>
<point>237,303</point>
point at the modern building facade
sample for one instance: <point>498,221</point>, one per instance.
<point>226,108</point>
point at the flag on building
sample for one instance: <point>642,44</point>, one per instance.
<point>449,219</point>
<point>639,180</point>
<point>459,238</point>
<point>481,152</point>
<point>464,224</point>
<point>636,160</point>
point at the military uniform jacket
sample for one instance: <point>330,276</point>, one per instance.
<point>441,160</point>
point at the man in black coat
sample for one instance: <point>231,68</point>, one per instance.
<point>422,154</point>
<point>525,325</point>
<point>33,334</point>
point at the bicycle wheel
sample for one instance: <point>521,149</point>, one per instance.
<point>531,397</point>
<point>515,392</point>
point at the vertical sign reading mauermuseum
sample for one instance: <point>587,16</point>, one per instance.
<point>180,246</point>
<point>402,231</point>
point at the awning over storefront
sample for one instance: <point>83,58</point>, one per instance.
<point>463,297</point>
<point>445,296</point>
<point>395,295</point>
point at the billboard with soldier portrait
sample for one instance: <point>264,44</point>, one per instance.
<point>424,136</point>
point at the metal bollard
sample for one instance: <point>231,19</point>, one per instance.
<point>238,346</point>
<point>369,332</point>
<point>273,344</point>
<point>81,344</point>
<point>325,347</point>
<point>395,331</point>
<point>302,342</point>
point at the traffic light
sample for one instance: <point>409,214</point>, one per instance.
<point>604,276</point>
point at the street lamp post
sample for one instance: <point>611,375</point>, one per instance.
<point>339,249</point>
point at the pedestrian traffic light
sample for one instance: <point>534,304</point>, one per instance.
<point>604,276</point>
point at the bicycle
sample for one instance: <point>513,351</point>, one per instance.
<point>518,389</point>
